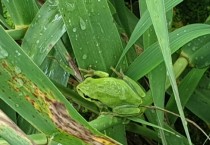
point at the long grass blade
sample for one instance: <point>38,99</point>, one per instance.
<point>22,11</point>
<point>143,24</point>
<point>186,89</point>
<point>157,13</point>
<point>33,96</point>
<point>10,132</point>
<point>177,39</point>
<point>45,30</point>
<point>101,45</point>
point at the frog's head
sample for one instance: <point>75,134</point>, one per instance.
<point>84,88</point>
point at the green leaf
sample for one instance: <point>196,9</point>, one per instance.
<point>186,89</point>
<point>101,45</point>
<point>33,96</point>
<point>22,11</point>
<point>17,34</point>
<point>157,14</point>
<point>197,52</point>
<point>45,30</point>
<point>146,61</point>
<point>143,24</point>
<point>11,133</point>
<point>199,101</point>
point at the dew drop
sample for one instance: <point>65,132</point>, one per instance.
<point>70,6</point>
<point>92,10</point>
<point>3,53</point>
<point>19,82</point>
<point>50,1</point>
<point>69,21</point>
<point>82,24</point>
<point>178,136</point>
<point>64,28</point>
<point>76,37</point>
<point>100,51</point>
<point>74,29</point>
<point>194,48</point>
<point>17,70</point>
<point>206,64</point>
<point>18,53</point>
<point>84,56</point>
<point>37,42</point>
<point>16,105</point>
<point>57,17</point>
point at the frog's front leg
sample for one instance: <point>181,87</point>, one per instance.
<point>92,73</point>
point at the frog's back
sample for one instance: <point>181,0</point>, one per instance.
<point>114,92</point>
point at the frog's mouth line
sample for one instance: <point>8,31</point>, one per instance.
<point>87,97</point>
<point>98,103</point>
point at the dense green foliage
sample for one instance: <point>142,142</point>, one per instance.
<point>161,49</point>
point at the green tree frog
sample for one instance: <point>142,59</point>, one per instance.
<point>122,96</point>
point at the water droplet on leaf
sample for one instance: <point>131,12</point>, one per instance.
<point>82,24</point>
<point>74,29</point>
<point>3,53</point>
<point>18,53</point>
<point>193,48</point>
<point>19,82</point>
<point>57,17</point>
<point>17,70</point>
<point>84,56</point>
